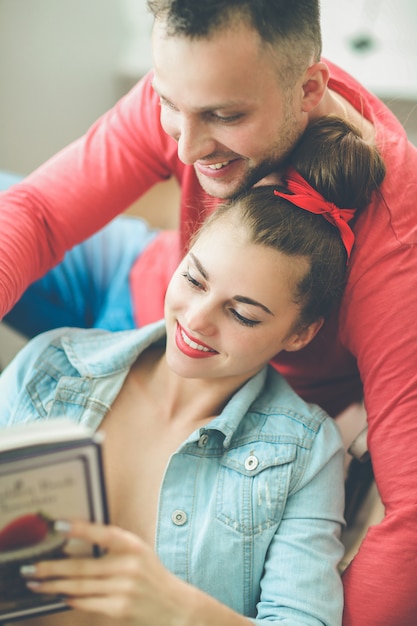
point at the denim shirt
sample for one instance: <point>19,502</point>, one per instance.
<point>250,506</point>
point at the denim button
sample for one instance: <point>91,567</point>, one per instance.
<point>251,462</point>
<point>179,517</point>
<point>203,440</point>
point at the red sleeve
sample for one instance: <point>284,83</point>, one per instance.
<point>380,584</point>
<point>379,327</point>
<point>81,189</point>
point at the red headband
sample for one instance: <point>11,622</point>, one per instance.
<point>305,197</point>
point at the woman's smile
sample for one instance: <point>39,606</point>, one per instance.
<point>192,347</point>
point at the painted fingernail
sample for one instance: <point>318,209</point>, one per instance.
<point>62,526</point>
<point>27,570</point>
<point>33,584</point>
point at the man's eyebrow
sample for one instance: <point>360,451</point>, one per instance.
<point>229,104</point>
<point>243,299</point>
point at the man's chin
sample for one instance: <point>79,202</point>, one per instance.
<point>228,190</point>
<point>218,189</point>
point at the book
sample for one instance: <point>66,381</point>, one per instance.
<point>49,470</point>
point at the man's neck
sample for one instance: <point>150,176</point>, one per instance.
<point>334,104</point>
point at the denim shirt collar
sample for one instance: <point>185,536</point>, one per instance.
<point>113,353</point>
<point>238,406</point>
<point>116,353</point>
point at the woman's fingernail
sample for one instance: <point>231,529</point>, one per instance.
<point>62,526</point>
<point>27,570</point>
<point>33,584</point>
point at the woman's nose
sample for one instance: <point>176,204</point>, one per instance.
<point>200,319</point>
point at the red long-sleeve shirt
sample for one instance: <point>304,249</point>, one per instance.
<point>374,340</point>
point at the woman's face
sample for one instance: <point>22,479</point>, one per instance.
<point>229,306</point>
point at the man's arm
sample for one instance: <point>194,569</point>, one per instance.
<point>379,328</point>
<point>81,189</point>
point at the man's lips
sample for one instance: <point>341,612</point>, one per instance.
<point>190,347</point>
<point>217,169</point>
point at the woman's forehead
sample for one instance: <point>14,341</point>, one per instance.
<point>225,247</point>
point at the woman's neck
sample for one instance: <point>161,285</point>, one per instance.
<point>192,400</point>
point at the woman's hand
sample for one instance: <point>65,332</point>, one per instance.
<point>128,582</point>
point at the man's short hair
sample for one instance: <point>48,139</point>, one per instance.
<point>290,27</point>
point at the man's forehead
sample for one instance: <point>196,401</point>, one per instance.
<point>234,47</point>
<point>213,85</point>
<point>200,104</point>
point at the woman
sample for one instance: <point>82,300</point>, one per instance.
<point>225,488</point>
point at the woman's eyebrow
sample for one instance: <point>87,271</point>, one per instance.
<point>199,266</point>
<point>246,300</point>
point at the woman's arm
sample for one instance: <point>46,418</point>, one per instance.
<point>128,583</point>
<point>300,586</point>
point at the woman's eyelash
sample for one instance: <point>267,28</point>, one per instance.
<point>244,320</point>
<point>191,280</point>
<point>238,317</point>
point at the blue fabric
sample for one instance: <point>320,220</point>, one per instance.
<point>90,288</point>
<point>7,179</point>
<point>251,505</point>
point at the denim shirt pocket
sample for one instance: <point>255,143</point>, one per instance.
<point>253,485</point>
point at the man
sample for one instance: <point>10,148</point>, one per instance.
<point>235,84</point>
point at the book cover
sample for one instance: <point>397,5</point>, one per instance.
<point>48,471</point>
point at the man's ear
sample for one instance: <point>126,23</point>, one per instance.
<point>301,338</point>
<point>314,85</point>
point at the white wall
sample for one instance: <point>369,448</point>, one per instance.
<point>10,343</point>
<point>59,70</point>
<point>388,66</point>
<point>62,63</point>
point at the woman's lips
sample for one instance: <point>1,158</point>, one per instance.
<point>190,347</point>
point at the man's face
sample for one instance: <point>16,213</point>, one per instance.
<point>221,100</point>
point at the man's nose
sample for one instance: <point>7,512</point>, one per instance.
<point>194,141</point>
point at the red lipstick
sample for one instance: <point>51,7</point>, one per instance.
<point>191,351</point>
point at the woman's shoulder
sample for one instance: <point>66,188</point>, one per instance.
<point>93,352</point>
<point>286,417</point>
<point>70,355</point>
<point>280,429</point>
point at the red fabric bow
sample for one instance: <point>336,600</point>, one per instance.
<point>305,197</point>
